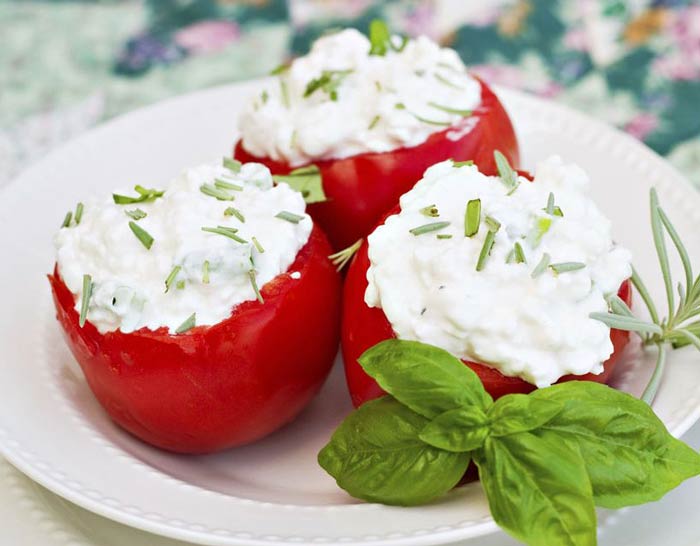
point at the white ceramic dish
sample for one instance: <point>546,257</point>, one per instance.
<point>272,492</point>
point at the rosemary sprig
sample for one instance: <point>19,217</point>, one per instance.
<point>232,165</point>
<point>226,232</point>
<point>428,228</point>
<point>430,211</point>
<point>254,284</point>
<point>189,323</point>
<point>67,219</point>
<point>289,216</point>
<point>681,325</point>
<point>171,277</point>
<point>146,195</point>
<point>232,211</point>
<point>205,272</point>
<point>341,258</point>
<point>505,171</point>
<point>85,303</point>
<point>78,213</point>
<point>328,82</point>
<point>541,266</point>
<point>257,245</point>
<point>566,267</point>
<point>142,235</point>
<point>212,191</point>
<point>224,185</point>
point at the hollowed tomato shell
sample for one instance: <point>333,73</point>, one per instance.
<point>216,387</point>
<point>363,327</point>
<point>362,188</point>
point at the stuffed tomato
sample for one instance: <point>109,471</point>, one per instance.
<point>503,272</point>
<point>189,309</point>
<point>357,121</point>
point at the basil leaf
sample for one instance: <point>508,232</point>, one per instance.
<point>376,455</point>
<point>630,456</point>
<point>459,430</point>
<point>427,379</point>
<point>538,489</point>
<point>520,413</point>
<point>306,180</point>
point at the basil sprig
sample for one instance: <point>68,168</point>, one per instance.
<point>545,459</point>
<point>306,180</point>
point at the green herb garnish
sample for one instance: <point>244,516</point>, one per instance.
<point>213,191</point>
<point>549,209</point>
<point>264,96</point>
<point>342,257</point>
<point>442,79</point>
<point>428,228</point>
<point>380,39</point>
<point>493,224</point>
<point>328,82</point>
<point>136,214</point>
<point>232,211</point>
<point>541,266</point>
<point>374,122</point>
<point>554,448</point>
<point>431,121</point>
<point>542,227</point>
<point>430,210</point>
<point>489,241</point>
<point>444,236</point>
<point>457,164</point>
<point>189,323</point>
<point>226,232</point>
<point>78,213</point>
<point>205,272</point>
<point>180,285</point>
<point>472,217</point>
<point>257,245</point>
<point>232,165</point>
<point>284,91</point>
<point>289,216</point>
<point>224,185</point>
<point>85,301</point>
<point>519,253</point>
<point>142,235</point>
<point>67,219</point>
<point>280,69</point>
<point>566,267</point>
<point>505,171</point>
<point>306,180</point>
<point>457,111</point>
<point>171,277</point>
<point>254,284</point>
<point>146,195</point>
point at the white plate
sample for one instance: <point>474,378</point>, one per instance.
<point>272,492</point>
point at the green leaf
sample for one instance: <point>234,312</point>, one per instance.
<point>660,244</point>
<point>376,455</point>
<point>520,413</point>
<point>629,455</point>
<point>427,379</point>
<point>379,37</point>
<point>306,180</point>
<point>459,430</point>
<point>538,489</point>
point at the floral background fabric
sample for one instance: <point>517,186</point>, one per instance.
<point>67,65</point>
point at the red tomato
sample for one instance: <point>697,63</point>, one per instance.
<point>363,327</point>
<point>220,386</point>
<point>361,188</point>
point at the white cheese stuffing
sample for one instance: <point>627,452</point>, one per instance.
<point>129,290</point>
<point>537,328</point>
<point>382,103</point>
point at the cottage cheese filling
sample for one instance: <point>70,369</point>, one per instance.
<point>535,327</point>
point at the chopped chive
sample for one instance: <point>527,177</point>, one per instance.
<point>565,267</point>
<point>226,232</point>
<point>378,85</point>
<point>444,236</point>
<point>431,121</point>
<point>85,303</point>
<point>285,93</point>
<point>428,228</point>
<point>459,112</point>
<point>180,285</point>
<point>205,272</point>
<point>146,195</point>
<point>541,266</point>
<point>505,171</point>
<point>78,213</point>
<point>171,278</point>
<point>458,164</point>
<point>400,106</point>
<point>486,250</point>
<point>223,185</point>
<point>232,165</point>
<point>379,37</point>
<point>142,235</point>
<point>232,211</point>
<point>374,122</point>
<point>442,79</point>
<point>257,245</point>
<point>67,219</point>
<point>535,236</point>
<point>254,284</point>
<point>519,253</point>
<point>430,210</point>
<point>281,69</point>
<point>329,81</point>
<point>289,216</point>
<point>189,323</point>
<point>213,191</point>
<point>264,96</point>
<point>550,204</point>
<point>493,224</point>
<point>558,212</point>
<point>136,214</point>
<point>472,217</point>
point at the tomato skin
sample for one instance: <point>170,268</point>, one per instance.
<point>361,188</point>
<point>218,386</point>
<point>363,327</point>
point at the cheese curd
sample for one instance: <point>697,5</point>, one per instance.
<point>535,327</point>
<point>209,274</point>
<point>339,101</point>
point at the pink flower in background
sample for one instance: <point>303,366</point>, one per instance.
<point>576,39</point>
<point>682,62</point>
<point>421,21</point>
<point>207,36</point>
<point>641,125</point>
<point>513,76</point>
